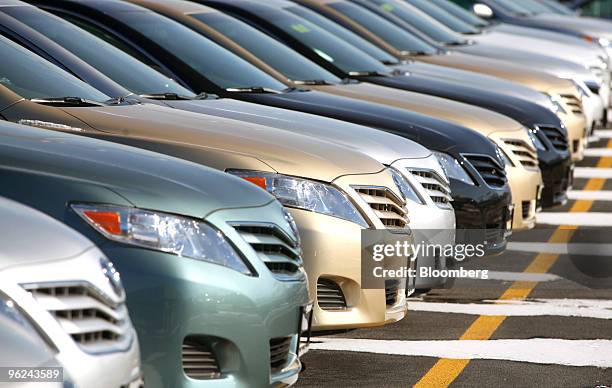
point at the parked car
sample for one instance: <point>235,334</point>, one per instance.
<point>524,175</point>
<point>489,197</point>
<point>324,185</point>
<point>187,242</point>
<point>62,304</point>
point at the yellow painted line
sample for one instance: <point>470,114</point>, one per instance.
<point>445,371</point>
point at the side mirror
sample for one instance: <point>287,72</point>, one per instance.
<point>483,10</point>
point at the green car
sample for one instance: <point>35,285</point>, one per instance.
<point>193,246</point>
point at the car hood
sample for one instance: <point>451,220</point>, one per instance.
<point>59,241</point>
<point>145,179</point>
<point>433,133</point>
<point>284,152</point>
<point>382,146</point>
<point>475,79</point>
<point>482,120</point>
<point>579,25</point>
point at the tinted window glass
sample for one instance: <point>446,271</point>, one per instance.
<point>293,65</point>
<point>460,13</point>
<point>534,6</point>
<point>421,21</point>
<point>558,7</point>
<point>343,33</point>
<point>443,17</point>
<point>513,7</point>
<point>117,65</point>
<point>214,62</point>
<point>331,48</point>
<point>392,34</point>
<point>30,76</point>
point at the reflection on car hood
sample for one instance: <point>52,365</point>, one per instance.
<point>285,152</point>
<point>382,146</point>
<point>146,179</point>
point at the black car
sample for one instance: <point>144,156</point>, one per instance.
<point>483,206</point>
<point>350,62</point>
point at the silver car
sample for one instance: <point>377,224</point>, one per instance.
<point>56,283</point>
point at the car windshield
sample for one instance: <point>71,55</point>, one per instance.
<point>30,76</point>
<point>421,21</point>
<point>513,7</point>
<point>329,47</point>
<point>533,6</point>
<point>217,64</point>
<point>397,37</point>
<point>461,13</point>
<point>443,17</point>
<point>116,64</point>
<point>285,60</point>
<point>558,8</point>
<point>343,33</point>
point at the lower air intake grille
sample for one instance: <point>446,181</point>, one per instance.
<point>93,321</point>
<point>199,361</point>
<point>491,172</point>
<point>279,353</point>
<point>527,156</point>
<point>556,137</point>
<point>330,295</point>
<point>277,250</point>
<point>386,205</point>
<point>526,209</point>
<point>573,103</point>
<point>435,186</point>
<point>391,289</point>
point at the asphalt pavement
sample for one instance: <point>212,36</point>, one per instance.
<point>544,318</point>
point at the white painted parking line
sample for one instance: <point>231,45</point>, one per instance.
<point>592,172</point>
<point>604,134</point>
<point>598,152</point>
<point>577,219</point>
<point>589,249</point>
<point>519,276</point>
<point>582,308</point>
<point>538,350</point>
<point>602,195</point>
<point>594,139</point>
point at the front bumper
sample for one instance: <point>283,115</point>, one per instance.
<point>577,132</point>
<point>526,187</point>
<point>331,249</point>
<point>483,215</point>
<point>557,174</point>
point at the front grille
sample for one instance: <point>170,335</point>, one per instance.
<point>491,172</point>
<point>573,103</point>
<point>386,205</point>
<point>93,321</point>
<point>199,361</point>
<point>330,295</point>
<point>527,157</point>
<point>391,289</point>
<point>277,250</point>
<point>279,353</point>
<point>556,137</point>
<point>436,187</point>
<point>494,233</point>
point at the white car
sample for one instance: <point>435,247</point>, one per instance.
<point>56,282</point>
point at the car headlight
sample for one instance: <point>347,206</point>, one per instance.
<point>182,236</point>
<point>555,106</point>
<point>535,140</point>
<point>405,187</point>
<point>453,169</point>
<point>603,42</point>
<point>305,194</point>
<point>503,156</point>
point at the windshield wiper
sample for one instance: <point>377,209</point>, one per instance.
<point>312,82</point>
<point>252,89</point>
<point>66,101</point>
<point>165,96</point>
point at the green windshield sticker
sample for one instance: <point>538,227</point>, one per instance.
<point>302,29</point>
<point>387,7</point>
